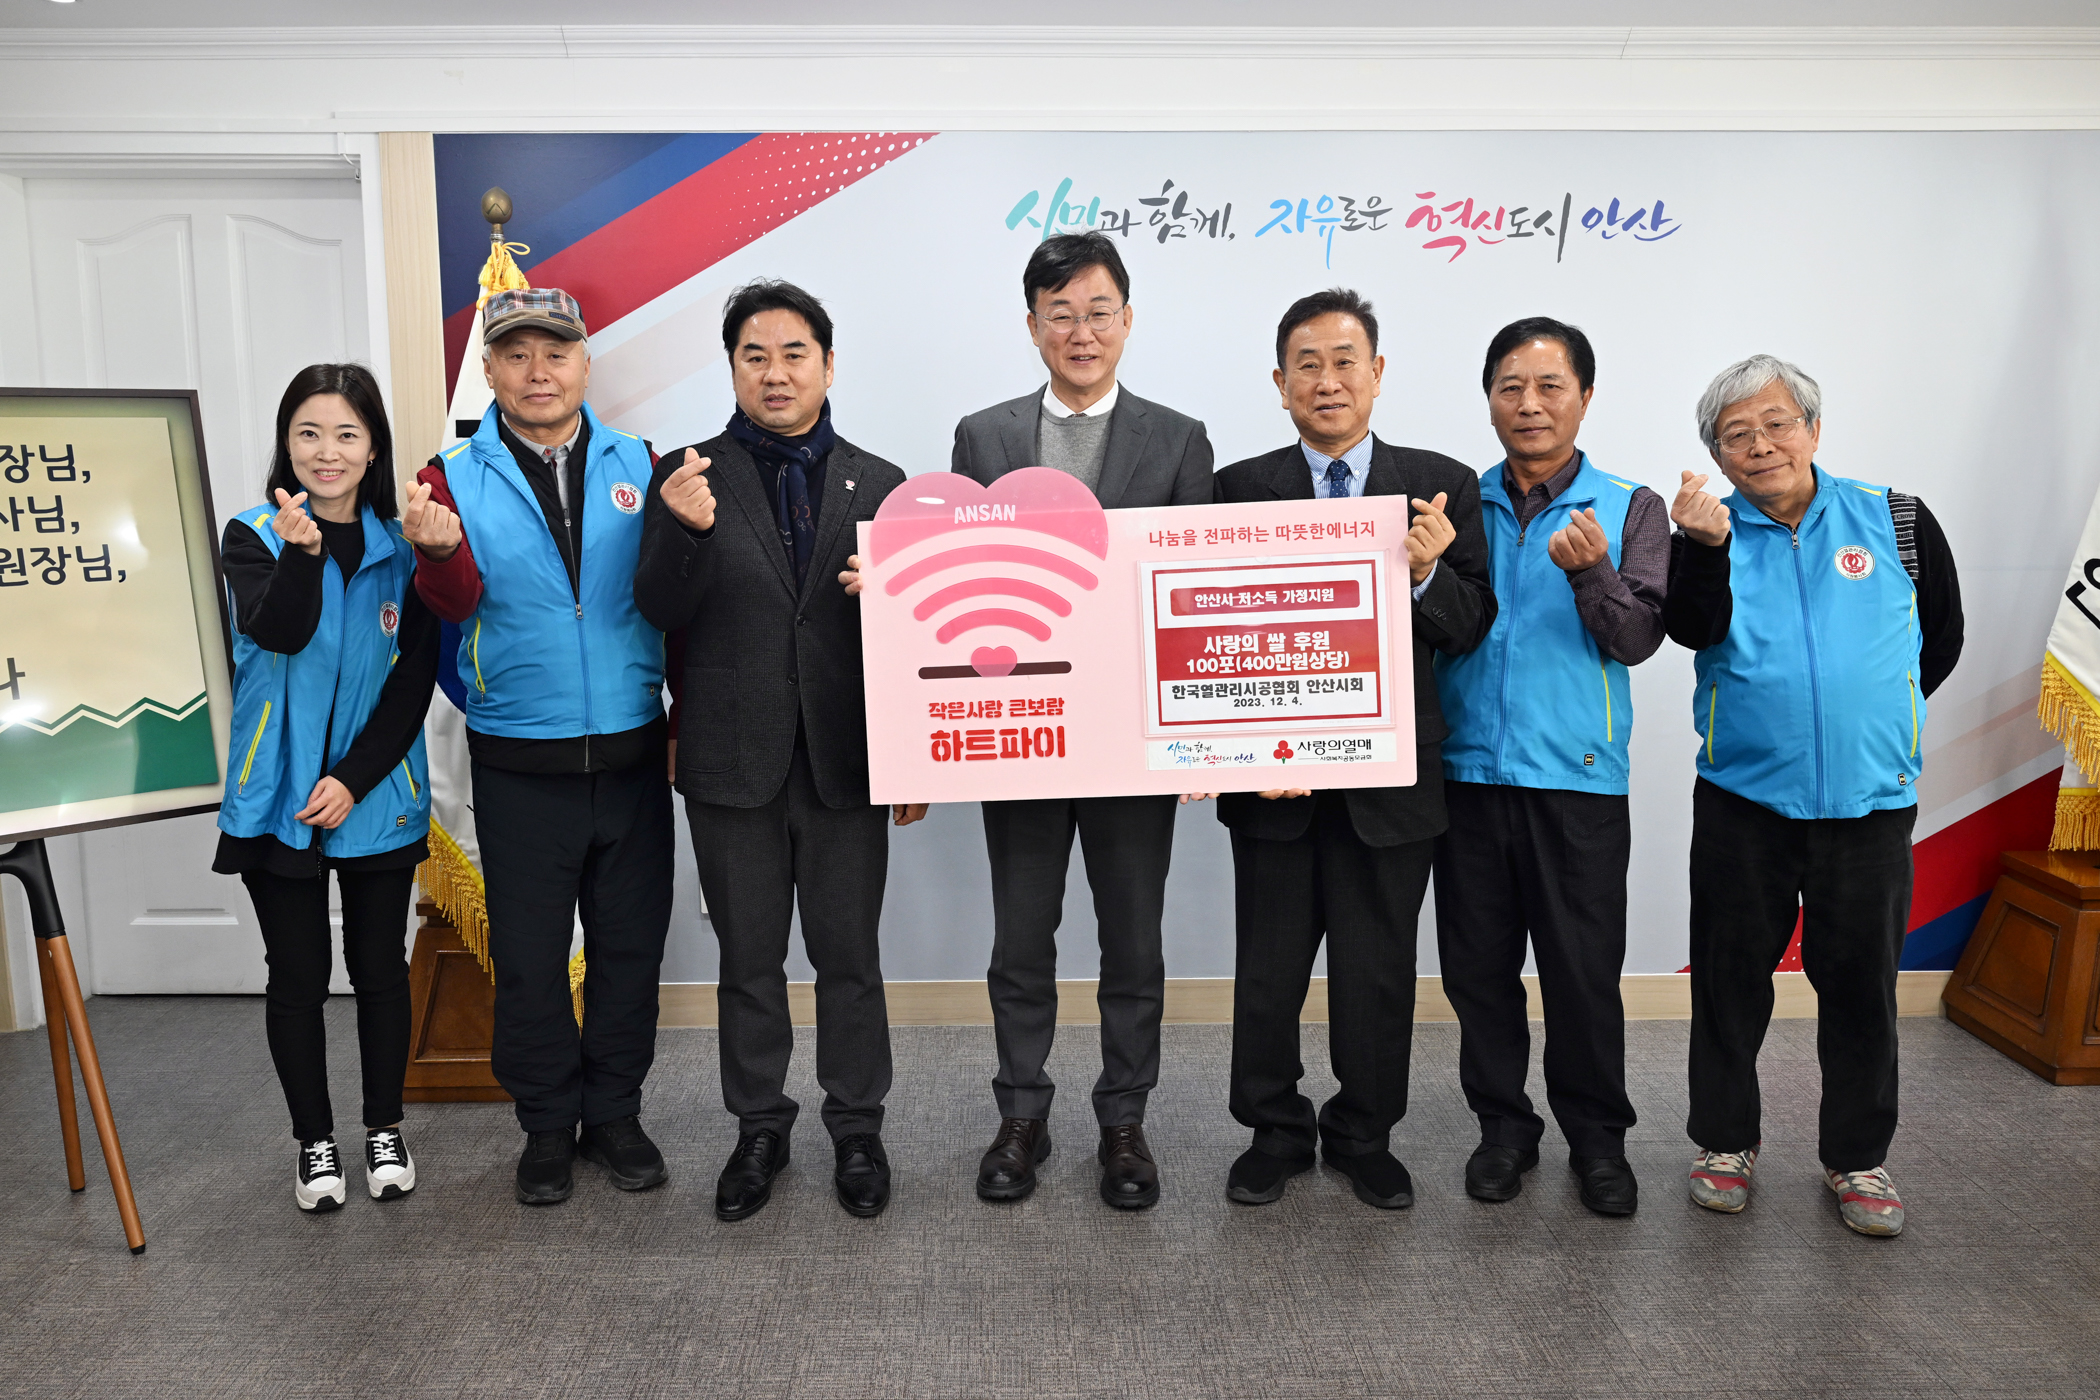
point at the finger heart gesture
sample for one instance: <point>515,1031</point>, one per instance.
<point>1428,538</point>
<point>293,525</point>
<point>1699,514</point>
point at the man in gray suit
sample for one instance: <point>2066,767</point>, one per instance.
<point>1128,452</point>
<point>746,543</point>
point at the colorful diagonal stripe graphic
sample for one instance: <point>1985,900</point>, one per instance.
<point>643,227</point>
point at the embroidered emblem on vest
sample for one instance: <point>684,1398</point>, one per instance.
<point>626,498</point>
<point>1854,562</point>
<point>389,616</point>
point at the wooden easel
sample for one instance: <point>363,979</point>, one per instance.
<point>65,1011</point>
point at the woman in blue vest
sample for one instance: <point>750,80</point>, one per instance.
<point>334,659</point>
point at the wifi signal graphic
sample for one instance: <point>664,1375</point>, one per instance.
<point>971,592</point>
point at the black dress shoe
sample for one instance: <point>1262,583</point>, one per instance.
<point>1378,1177</point>
<point>1007,1172</point>
<point>1257,1178</point>
<point>543,1167</point>
<point>1607,1183</point>
<point>1129,1176</point>
<point>1496,1173</point>
<point>746,1184</point>
<point>863,1175</point>
<point>630,1160</point>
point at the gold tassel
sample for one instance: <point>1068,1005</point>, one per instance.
<point>576,984</point>
<point>452,883</point>
<point>500,273</point>
<point>2068,711</point>
<point>2077,820</point>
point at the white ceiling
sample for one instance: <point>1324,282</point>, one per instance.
<point>207,14</point>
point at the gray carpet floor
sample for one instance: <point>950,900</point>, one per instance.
<point>1993,1290</point>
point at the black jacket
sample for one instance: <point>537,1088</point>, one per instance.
<point>1453,616</point>
<point>763,660</point>
<point>1155,457</point>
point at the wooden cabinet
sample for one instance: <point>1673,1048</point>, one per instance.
<point>2029,981</point>
<point>453,1019</point>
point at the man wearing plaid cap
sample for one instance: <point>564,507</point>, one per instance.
<point>566,729</point>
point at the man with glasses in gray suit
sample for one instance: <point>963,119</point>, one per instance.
<point>1129,452</point>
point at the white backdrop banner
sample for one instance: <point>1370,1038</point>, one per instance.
<point>1936,285</point>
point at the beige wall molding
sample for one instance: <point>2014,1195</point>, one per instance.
<point>733,42</point>
<point>414,305</point>
<point>1208,1000</point>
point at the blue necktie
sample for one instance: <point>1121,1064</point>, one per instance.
<point>1337,480</point>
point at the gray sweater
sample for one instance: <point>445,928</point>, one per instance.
<point>1076,445</point>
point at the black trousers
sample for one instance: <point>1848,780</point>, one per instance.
<point>757,866</point>
<point>1551,863</point>
<point>1128,843</point>
<point>293,915</point>
<point>554,845</point>
<point>1752,869</point>
<point>1364,900</point>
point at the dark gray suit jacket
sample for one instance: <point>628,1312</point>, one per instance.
<point>1156,457</point>
<point>759,653</point>
<point>1453,615</point>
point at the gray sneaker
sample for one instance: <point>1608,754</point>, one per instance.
<point>1721,1180</point>
<point>1867,1201</point>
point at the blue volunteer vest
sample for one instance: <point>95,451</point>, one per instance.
<point>1539,704</point>
<point>1811,707</point>
<point>540,661</point>
<point>294,717</point>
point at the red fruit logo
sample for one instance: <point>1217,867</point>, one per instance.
<point>1284,753</point>
<point>1854,562</point>
<point>626,497</point>
<point>389,616</point>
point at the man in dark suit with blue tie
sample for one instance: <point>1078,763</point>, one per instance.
<point>1350,865</point>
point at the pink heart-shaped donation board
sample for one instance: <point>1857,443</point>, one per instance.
<point>1040,499</point>
<point>994,661</point>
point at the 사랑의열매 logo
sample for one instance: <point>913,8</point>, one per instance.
<point>389,617</point>
<point>1854,562</point>
<point>626,497</point>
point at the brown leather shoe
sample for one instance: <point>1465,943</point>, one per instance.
<point>1129,1176</point>
<point>1007,1172</point>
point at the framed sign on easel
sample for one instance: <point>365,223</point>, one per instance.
<point>115,684</point>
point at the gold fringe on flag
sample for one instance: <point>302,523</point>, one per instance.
<point>452,883</point>
<point>2077,820</point>
<point>576,984</point>
<point>2069,712</point>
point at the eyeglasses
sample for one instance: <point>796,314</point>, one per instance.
<point>1737,441</point>
<point>1097,321</point>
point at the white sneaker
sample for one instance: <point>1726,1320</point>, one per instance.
<point>390,1173</point>
<point>319,1185</point>
<point>1867,1201</point>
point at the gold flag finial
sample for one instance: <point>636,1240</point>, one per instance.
<point>500,273</point>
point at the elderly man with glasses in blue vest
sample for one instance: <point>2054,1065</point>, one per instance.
<point>1823,611</point>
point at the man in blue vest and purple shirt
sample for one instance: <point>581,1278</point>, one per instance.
<point>1535,774</point>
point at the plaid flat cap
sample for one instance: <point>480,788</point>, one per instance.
<point>546,308</point>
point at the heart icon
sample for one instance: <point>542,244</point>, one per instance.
<point>993,661</point>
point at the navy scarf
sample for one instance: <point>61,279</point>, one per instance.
<point>796,467</point>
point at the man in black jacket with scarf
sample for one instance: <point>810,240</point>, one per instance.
<point>747,546</point>
<point>1349,865</point>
